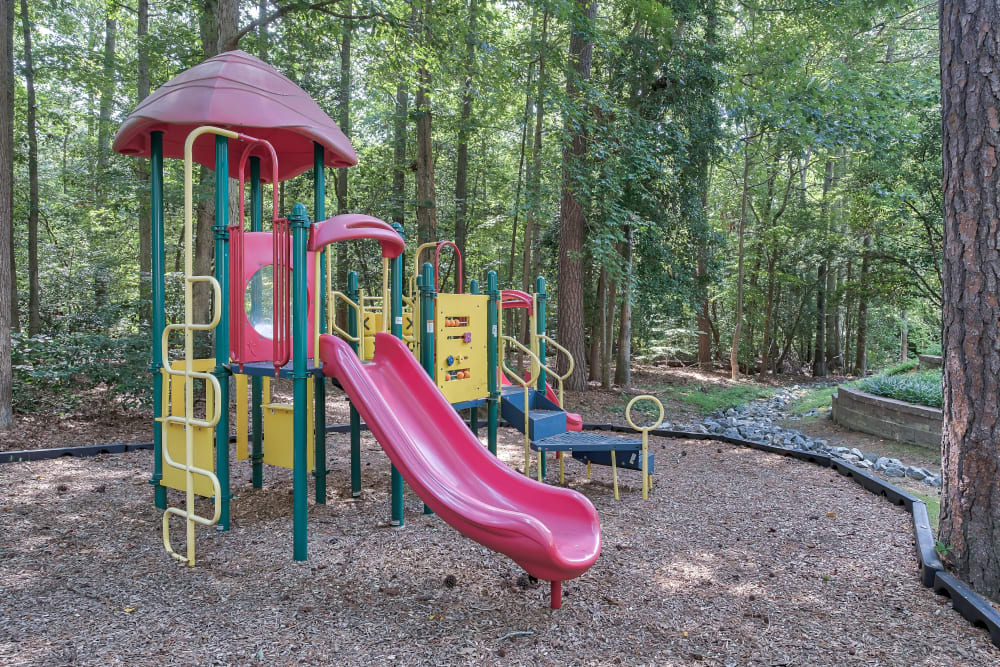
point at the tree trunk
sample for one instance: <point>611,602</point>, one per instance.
<point>262,36</point>
<point>597,327</point>
<point>734,364</point>
<point>426,200</point>
<point>228,22</point>
<point>7,164</point>
<point>904,333</point>
<point>607,338</point>
<point>571,215</point>
<point>6,210</point>
<point>819,354</point>
<point>96,239</point>
<point>623,364</point>
<point>203,240</point>
<point>765,355</point>
<point>525,129</point>
<point>399,154</point>
<point>534,182</point>
<point>861,352</point>
<point>462,157</point>
<point>832,305</point>
<point>970,511</point>
<point>342,174</point>
<point>34,297</point>
<point>142,173</point>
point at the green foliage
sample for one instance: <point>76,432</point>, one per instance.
<point>922,388</point>
<point>711,398</point>
<point>901,367</point>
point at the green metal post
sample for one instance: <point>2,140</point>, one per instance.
<point>298,221</point>
<point>396,327</point>
<point>158,308</point>
<point>492,359</point>
<point>319,292</point>
<point>221,371</point>
<point>256,383</point>
<point>474,412</point>
<point>353,327</point>
<point>541,297</point>
<point>425,282</point>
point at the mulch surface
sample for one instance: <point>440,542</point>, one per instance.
<point>738,557</point>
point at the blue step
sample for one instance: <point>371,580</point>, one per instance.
<point>545,419</point>
<point>591,447</point>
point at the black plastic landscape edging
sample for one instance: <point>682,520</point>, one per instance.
<point>972,606</point>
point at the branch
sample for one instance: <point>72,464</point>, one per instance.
<point>280,11</point>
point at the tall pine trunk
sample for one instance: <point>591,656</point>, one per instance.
<point>572,323</point>
<point>535,181</point>
<point>970,511</point>
<point>6,208</point>
<point>462,150</point>
<point>861,352</point>
<point>142,172</point>
<point>97,239</point>
<point>399,164</point>
<point>734,362</point>
<point>34,296</point>
<point>342,174</point>
<point>623,363</point>
<point>426,200</point>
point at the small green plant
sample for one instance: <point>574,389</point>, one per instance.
<point>901,367</point>
<point>716,399</point>
<point>942,548</point>
<point>922,388</point>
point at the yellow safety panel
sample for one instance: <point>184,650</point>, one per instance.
<point>204,438</point>
<point>408,328</point>
<point>242,419</point>
<point>278,427</point>
<point>372,325</point>
<point>460,346</point>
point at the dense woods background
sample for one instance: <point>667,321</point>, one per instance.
<point>748,183</point>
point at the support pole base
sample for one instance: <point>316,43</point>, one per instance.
<point>555,595</point>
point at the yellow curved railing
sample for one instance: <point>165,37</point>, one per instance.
<point>526,386</point>
<point>190,375</point>
<point>559,348</point>
<point>646,478</point>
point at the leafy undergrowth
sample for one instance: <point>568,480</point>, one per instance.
<point>922,387</point>
<point>709,399</point>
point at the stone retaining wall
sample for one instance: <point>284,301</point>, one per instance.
<point>887,418</point>
<point>929,361</point>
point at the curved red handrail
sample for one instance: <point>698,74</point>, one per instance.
<point>437,256</point>
<point>515,298</point>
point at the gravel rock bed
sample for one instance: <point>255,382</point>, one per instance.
<point>739,557</point>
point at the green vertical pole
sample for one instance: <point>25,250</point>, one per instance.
<point>158,308</point>
<point>396,327</point>
<point>425,282</point>
<point>492,359</point>
<point>319,292</point>
<point>474,412</point>
<point>353,326</point>
<point>298,221</point>
<point>540,324</point>
<point>221,371</point>
<point>256,383</point>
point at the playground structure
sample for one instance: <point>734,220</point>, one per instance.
<point>274,317</point>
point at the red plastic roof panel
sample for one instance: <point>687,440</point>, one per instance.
<point>353,226</point>
<point>238,92</point>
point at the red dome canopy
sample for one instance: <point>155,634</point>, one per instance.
<point>238,92</point>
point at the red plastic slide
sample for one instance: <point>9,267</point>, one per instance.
<point>553,533</point>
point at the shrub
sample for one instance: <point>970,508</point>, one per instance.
<point>923,388</point>
<point>901,367</point>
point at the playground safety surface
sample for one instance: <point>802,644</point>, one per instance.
<point>738,557</point>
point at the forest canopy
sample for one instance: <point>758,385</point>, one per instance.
<point>703,181</point>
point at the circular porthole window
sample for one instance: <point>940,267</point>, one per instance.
<point>258,301</point>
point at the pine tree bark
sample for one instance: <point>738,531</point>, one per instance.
<point>6,208</point>
<point>399,154</point>
<point>34,296</point>
<point>535,181</point>
<point>572,233</point>
<point>203,240</point>
<point>142,172</point>
<point>970,101</point>
<point>597,326</point>
<point>861,352</point>
<point>623,363</point>
<point>464,128</point>
<point>342,176</point>
<point>96,239</point>
<point>734,362</point>
<point>426,199</point>
<point>8,165</point>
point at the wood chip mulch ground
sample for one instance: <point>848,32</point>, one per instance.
<point>739,557</point>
